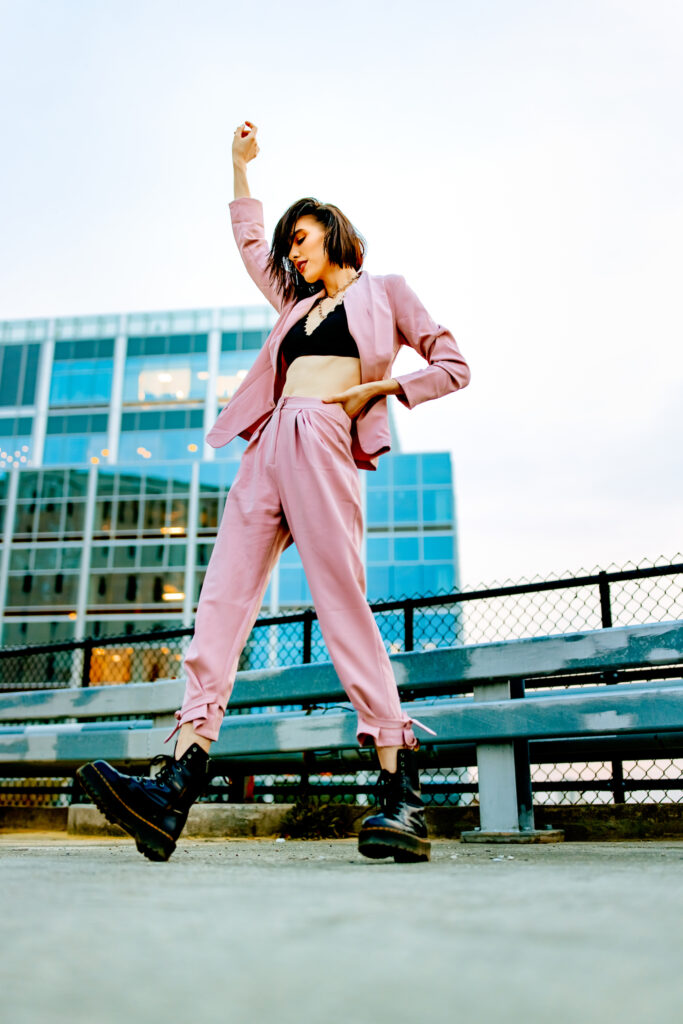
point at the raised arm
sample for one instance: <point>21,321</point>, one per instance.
<point>246,214</point>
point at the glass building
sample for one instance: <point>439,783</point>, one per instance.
<point>110,497</point>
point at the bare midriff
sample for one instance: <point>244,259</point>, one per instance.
<point>321,376</point>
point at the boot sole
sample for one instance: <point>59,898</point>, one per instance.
<point>377,843</point>
<point>150,840</point>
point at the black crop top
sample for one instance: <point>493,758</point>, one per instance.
<point>330,338</point>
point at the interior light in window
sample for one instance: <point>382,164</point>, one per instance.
<point>192,447</point>
<point>105,452</point>
<point>94,460</point>
<point>227,384</point>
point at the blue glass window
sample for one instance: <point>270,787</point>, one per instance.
<point>162,420</point>
<point>405,470</point>
<point>253,339</point>
<point>73,448</point>
<point>378,549</point>
<point>235,341</point>
<point>28,391</point>
<point>15,440</point>
<point>437,504</point>
<point>78,423</point>
<point>378,507</point>
<point>383,475</point>
<point>293,586</point>
<point>406,549</point>
<point>161,344</point>
<point>437,549</point>
<point>11,369</point>
<point>408,580</point>
<point>290,556</point>
<point>232,369</point>
<point>379,582</point>
<point>439,578</point>
<point>217,476</point>
<point>436,468</point>
<point>18,374</point>
<point>161,445</point>
<point>81,382</point>
<point>163,368</point>
<point>75,438</point>
<point>405,505</point>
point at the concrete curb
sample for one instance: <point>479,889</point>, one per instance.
<point>204,820</point>
<point>585,823</point>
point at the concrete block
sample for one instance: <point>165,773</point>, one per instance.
<point>33,819</point>
<point>531,835</point>
<point>86,820</point>
<point>238,820</point>
<point>204,821</point>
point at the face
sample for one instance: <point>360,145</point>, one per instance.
<point>307,246</point>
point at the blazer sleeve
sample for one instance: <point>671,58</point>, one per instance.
<point>447,371</point>
<point>246,214</point>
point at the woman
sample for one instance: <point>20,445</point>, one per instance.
<point>313,408</point>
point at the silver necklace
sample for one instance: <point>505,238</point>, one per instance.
<point>324,307</point>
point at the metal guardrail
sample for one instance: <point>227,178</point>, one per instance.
<point>512,610</point>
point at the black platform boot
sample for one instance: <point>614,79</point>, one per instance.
<point>399,830</point>
<point>152,810</point>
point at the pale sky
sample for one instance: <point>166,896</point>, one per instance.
<point>520,163</point>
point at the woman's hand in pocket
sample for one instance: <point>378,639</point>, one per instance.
<point>356,398</point>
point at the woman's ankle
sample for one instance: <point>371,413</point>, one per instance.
<point>186,737</point>
<point>387,758</point>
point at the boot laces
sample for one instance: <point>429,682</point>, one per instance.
<point>162,776</point>
<point>388,788</point>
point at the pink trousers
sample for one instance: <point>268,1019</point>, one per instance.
<point>297,481</point>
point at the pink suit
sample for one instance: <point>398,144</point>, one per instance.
<point>298,482</point>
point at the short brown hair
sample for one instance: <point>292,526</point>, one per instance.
<point>344,245</point>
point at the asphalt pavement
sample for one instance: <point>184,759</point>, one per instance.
<point>293,931</point>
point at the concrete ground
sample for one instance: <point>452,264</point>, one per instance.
<point>259,931</point>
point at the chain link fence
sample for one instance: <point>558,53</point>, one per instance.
<point>601,597</point>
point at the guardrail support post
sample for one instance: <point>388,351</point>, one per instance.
<point>308,636</point>
<point>409,641</point>
<point>506,813</point>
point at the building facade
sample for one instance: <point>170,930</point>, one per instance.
<point>110,498</point>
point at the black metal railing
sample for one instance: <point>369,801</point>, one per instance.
<point>406,624</point>
<point>598,599</point>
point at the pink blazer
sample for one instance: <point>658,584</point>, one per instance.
<point>383,313</point>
